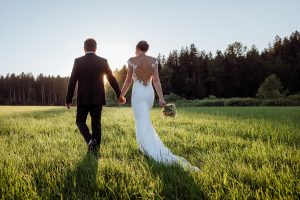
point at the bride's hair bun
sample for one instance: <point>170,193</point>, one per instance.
<point>143,46</point>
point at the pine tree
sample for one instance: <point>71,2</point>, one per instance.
<point>270,88</point>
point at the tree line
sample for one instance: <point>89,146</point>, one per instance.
<point>25,89</point>
<point>189,73</point>
<point>236,72</point>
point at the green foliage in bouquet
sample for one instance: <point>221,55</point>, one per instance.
<point>169,110</point>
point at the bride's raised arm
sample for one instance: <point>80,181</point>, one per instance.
<point>157,86</point>
<point>127,82</point>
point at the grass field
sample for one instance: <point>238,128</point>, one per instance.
<point>242,153</point>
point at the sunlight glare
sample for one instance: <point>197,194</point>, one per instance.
<point>105,79</point>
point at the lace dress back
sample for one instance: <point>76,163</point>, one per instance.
<point>143,68</point>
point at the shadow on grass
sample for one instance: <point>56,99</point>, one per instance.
<point>176,182</point>
<point>81,181</point>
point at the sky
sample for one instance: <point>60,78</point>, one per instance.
<point>39,36</point>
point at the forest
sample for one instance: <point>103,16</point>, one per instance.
<point>190,73</point>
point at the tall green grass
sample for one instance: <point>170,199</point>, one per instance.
<point>242,153</point>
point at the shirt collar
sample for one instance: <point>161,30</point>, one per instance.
<point>90,52</point>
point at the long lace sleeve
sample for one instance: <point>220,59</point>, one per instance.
<point>130,64</point>
<point>155,64</point>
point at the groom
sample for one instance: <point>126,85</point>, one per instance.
<point>88,71</point>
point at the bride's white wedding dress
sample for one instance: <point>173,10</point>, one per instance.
<point>148,141</point>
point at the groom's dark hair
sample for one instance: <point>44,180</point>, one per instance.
<point>90,44</point>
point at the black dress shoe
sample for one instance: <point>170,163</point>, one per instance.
<point>91,145</point>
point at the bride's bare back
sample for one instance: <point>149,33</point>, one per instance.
<point>143,68</point>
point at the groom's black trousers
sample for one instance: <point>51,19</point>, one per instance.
<point>95,113</point>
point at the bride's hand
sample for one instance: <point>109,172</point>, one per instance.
<point>162,103</point>
<point>122,100</point>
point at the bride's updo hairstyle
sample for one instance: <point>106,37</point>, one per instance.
<point>143,46</point>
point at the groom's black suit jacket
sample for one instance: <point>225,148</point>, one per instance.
<point>89,70</point>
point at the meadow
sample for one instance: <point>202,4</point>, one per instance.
<point>242,153</point>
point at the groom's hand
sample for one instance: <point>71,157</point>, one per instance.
<point>122,100</point>
<point>68,105</point>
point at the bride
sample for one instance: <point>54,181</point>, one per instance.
<point>142,70</point>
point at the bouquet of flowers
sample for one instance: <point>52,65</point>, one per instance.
<point>169,110</point>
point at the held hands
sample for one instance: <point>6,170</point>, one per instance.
<point>162,102</point>
<point>122,100</point>
<point>68,105</point>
